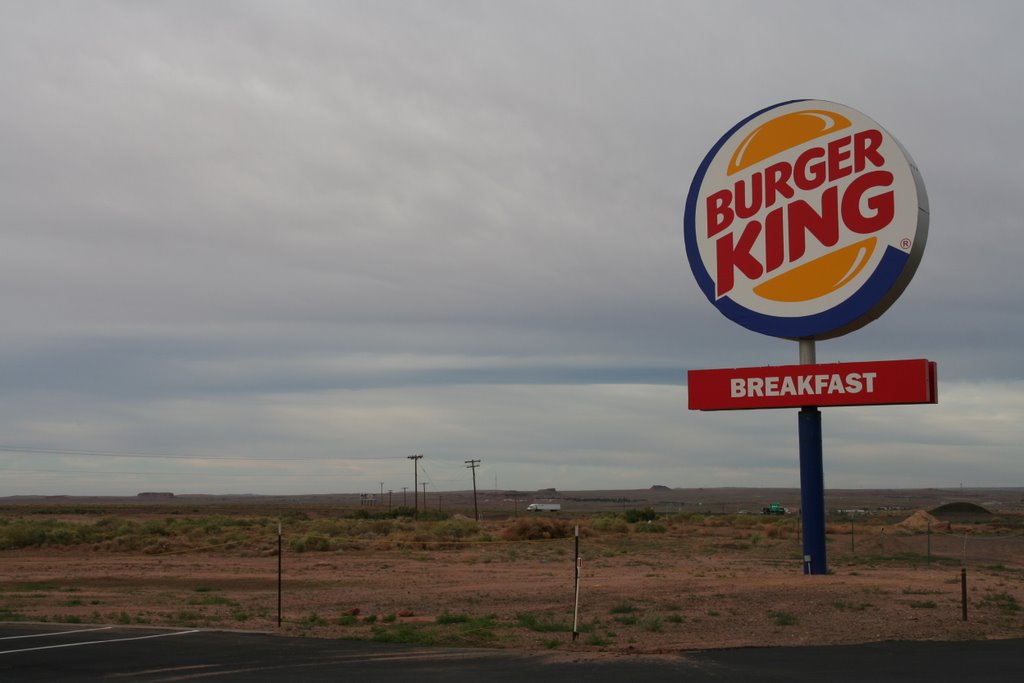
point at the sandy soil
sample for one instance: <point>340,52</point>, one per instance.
<point>690,588</point>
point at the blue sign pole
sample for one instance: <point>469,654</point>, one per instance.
<point>812,491</point>
<point>812,477</point>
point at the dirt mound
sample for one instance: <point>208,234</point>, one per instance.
<point>961,512</point>
<point>921,520</point>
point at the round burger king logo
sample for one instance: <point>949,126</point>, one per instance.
<point>805,221</point>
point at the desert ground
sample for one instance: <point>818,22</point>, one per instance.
<point>661,571</point>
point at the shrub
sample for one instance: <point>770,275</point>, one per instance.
<point>332,527</point>
<point>22,534</point>
<point>404,633</point>
<point>537,528</point>
<point>1004,602</point>
<point>543,624</point>
<point>449,618</point>
<point>316,542</point>
<point>313,619</point>
<point>433,515</point>
<point>646,515</point>
<point>610,523</point>
<point>456,529</point>
<point>784,618</point>
<point>651,623</point>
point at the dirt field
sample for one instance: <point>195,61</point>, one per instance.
<point>678,582</point>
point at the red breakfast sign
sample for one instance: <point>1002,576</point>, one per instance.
<point>831,384</point>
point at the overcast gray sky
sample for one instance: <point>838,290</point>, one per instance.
<point>276,247</point>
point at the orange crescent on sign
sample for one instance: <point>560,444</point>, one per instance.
<point>819,277</point>
<point>782,133</point>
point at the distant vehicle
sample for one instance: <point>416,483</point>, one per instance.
<point>773,509</point>
<point>543,507</point>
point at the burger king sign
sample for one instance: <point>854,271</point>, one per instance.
<point>806,220</point>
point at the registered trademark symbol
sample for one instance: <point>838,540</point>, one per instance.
<point>905,243</point>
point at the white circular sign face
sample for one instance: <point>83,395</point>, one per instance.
<point>805,221</point>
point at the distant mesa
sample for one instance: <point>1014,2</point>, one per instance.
<point>659,487</point>
<point>551,490</point>
<point>156,494</point>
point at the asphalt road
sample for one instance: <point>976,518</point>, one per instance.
<point>49,652</point>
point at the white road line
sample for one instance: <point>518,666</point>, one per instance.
<point>99,642</point>
<point>57,633</point>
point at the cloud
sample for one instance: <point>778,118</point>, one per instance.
<point>572,437</point>
<point>457,229</point>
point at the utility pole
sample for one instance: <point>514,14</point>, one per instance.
<point>424,485</point>
<point>415,479</point>
<point>405,503</point>
<point>380,501</point>
<point>473,464</point>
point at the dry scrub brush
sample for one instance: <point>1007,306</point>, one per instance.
<point>537,529</point>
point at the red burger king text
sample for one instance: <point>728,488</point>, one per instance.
<point>862,207</point>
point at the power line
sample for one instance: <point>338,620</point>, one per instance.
<point>415,479</point>
<point>473,464</point>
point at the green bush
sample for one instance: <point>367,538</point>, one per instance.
<point>784,618</point>
<point>316,542</point>
<point>1004,602</point>
<point>448,618</point>
<point>333,527</point>
<point>543,624</point>
<point>455,529</point>
<point>22,534</point>
<point>411,634</point>
<point>651,623</point>
<point>610,523</point>
<point>313,619</point>
<point>646,515</point>
<point>538,528</point>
